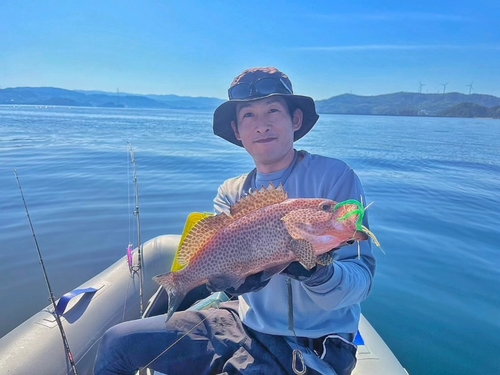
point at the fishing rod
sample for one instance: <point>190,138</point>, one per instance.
<point>139,243</point>
<point>52,298</point>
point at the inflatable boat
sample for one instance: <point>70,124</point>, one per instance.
<point>115,295</point>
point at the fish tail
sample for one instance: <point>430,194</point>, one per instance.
<point>174,293</point>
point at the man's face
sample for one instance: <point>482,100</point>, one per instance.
<point>266,130</point>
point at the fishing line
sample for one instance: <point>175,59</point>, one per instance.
<point>180,338</point>
<point>51,295</point>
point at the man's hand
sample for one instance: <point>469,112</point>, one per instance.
<point>317,275</point>
<point>252,283</point>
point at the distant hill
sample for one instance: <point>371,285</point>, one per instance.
<point>398,104</point>
<point>409,104</point>
<point>74,98</point>
<point>471,110</point>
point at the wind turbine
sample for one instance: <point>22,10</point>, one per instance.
<point>470,87</point>
<point>420,86</point>
<point>444,87</point>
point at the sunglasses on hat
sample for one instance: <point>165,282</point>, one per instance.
<point>261,87</point>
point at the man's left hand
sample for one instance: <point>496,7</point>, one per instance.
<point>315,276</point>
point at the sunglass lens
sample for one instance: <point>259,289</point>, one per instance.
<point>240,91</point>
<point>266,86</point>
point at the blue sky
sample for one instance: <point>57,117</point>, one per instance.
<point>196,47</point>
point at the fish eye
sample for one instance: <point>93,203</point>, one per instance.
<point>325,206</point>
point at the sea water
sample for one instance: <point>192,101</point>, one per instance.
<point>435,184</point>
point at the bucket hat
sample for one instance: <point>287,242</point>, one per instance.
<point>259,83</point>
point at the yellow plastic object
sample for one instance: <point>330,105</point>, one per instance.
<point>192,219</point>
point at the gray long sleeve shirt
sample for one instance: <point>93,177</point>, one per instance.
<point>332,307</point>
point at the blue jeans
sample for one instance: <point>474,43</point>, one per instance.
<point>199,342</point>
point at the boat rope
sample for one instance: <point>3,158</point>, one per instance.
<point>139,268</point>
<point>51,294</point>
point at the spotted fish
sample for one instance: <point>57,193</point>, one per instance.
<point>264,231</point>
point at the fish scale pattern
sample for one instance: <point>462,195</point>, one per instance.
<point>207,228</point>
<point>257,236</point>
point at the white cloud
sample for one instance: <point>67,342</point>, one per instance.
<point>393,16</point>
<point>395,47</point>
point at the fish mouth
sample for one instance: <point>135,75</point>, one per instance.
<point>358,236</point>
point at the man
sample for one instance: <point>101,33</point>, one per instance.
<point>299,321</point>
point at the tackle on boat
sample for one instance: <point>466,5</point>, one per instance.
<point>136,269</point>
<point>52,299</point>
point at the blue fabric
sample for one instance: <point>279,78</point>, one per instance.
<point>63,302</point>
<point>358,340</point>
<point>204,342</point>
<point>192,342</point>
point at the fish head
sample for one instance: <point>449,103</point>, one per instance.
<point>325,224</point>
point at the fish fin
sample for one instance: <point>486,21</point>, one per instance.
<point>325,259</point>
<point>193,218</point>
<point>219,283</point>
<point>201,233</point>
<point>175,295</point>
<point>258,200</point>
<point>304,251</point>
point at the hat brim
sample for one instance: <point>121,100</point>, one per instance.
<point>226,112</point>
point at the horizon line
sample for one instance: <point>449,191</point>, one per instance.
<point>114,93</point>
